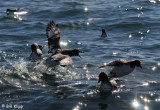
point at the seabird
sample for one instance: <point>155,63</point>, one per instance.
<point>104,34</point>
<point>36,53</point>
<point>70,52</point>
<point>58,56</point>
<point>11,11</point>
<point>106,84</point>
<point>122,67</point>
<point>58,59</point>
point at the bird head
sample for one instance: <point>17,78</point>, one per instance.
<point>103,77</point>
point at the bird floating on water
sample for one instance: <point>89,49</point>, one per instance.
<point>106,84</point>
<point>36,53</point>
<point>104,34</point>
<point>11,11</point>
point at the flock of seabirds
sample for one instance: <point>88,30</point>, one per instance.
<point>62,57</point>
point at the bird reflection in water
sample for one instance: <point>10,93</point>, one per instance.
<point>104,96</point>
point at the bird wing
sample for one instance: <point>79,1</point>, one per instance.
<point>53,35</point>
<point>114,63</point>
<point>62,59</point>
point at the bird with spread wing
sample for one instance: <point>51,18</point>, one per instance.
<point>122,67</point>
<point>58,56</point>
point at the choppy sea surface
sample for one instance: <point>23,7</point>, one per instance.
<point>133,27</point>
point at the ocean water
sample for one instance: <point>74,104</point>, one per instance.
<point>133,29</point>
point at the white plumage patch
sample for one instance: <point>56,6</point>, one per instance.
<point>66,61</point>
<point>20,13</point>
<point>39,51</point>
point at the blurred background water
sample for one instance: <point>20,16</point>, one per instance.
<point>133,29</point>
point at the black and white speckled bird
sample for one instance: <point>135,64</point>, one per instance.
<point>106,84</point>
<point>58,56</point>
<point>36,53</point>
<point>122,67</point>
<point>104,34</point>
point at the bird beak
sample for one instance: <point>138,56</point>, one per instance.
<point>140,66</point>
<point>41,47</point>
<point>49,51</point>
<point>79,56</point>
<point>101,66</point>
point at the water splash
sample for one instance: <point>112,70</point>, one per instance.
<point>19,66</point>
<point>41,68</point>
<point>3,70</point>
<point>18,17</point>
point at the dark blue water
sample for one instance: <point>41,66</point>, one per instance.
<point>133,29</point>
